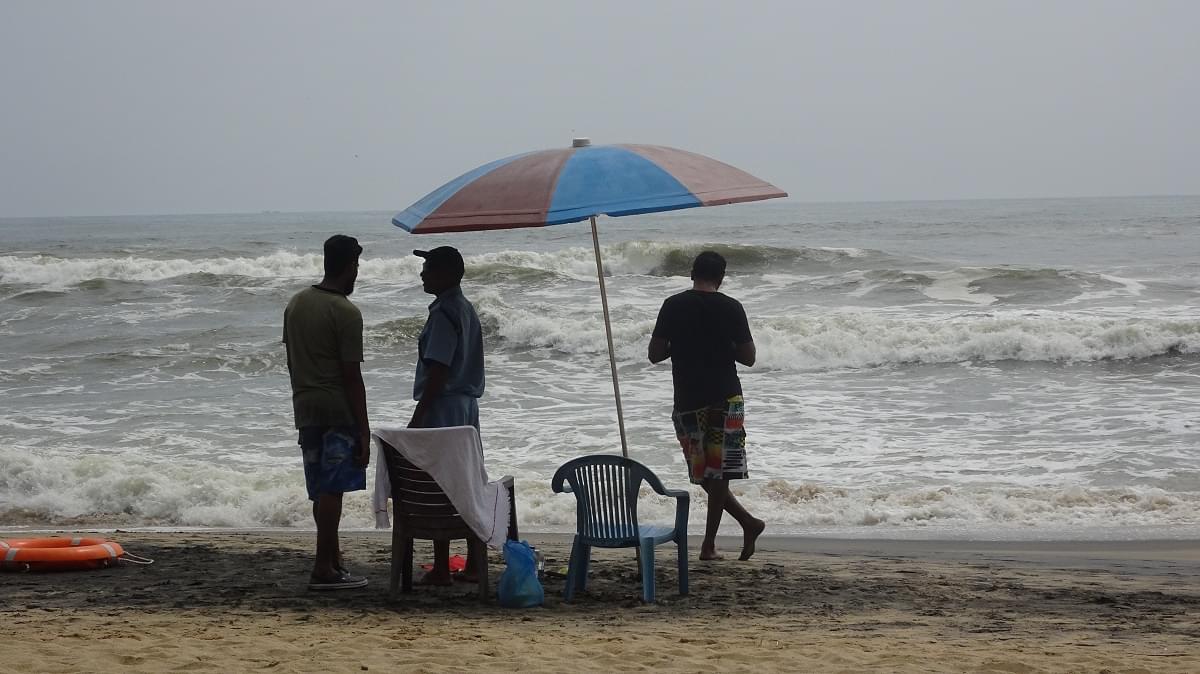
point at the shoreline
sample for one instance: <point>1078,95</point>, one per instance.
<point>236,601</point>
<point>1181,547</point>
<point>1130,555</point>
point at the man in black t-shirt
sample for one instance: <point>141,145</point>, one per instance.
<point>704,333</point>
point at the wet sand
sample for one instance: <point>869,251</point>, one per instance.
<point>236,601</point>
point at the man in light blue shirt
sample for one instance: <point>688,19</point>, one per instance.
<point>449,379</point>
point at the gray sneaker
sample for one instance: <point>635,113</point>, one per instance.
<point>344,581</point>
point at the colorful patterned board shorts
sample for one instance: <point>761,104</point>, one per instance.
<point>329,465</point>
<point>714,441</point>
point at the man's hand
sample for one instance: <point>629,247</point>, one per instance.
<point>356,395</point>
<point>435,383</point>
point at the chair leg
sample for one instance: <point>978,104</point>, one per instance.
<point>681,544</point>
<point>572,570</point>
<point>647,549</point>
<point>477,550</point>
<point>585,559</point>
<point>397,557</point>
<point>406,565</point>
<point>513,534</point>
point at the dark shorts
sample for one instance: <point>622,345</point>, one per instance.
<point>453,410</point>
<point>329,465</point>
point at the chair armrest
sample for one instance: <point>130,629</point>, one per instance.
<point>682,501</point>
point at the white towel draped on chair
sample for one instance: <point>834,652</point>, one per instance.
<point>454,458</point>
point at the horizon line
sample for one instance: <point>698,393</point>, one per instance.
<point>790,199</point>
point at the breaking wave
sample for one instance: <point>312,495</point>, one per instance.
<point>115,490</point>
<point>861,339</point>
<point>868,340</point>
<point>634,257</point>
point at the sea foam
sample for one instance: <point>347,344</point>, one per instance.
<point>124,491</point>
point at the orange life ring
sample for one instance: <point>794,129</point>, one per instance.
<point>58,554</point>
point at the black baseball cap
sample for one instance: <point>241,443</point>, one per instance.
<point>443,257</point>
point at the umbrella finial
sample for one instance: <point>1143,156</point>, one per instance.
<point>581,142</point>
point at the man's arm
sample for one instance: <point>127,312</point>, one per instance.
<point>660,349</point>
<point>356,394</point>
<point>435,382</point>
<point>743,344</point>
<point>745,353</point>
<point>287,348</point>
<point>660,343</point>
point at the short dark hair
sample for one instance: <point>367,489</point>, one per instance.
<point>341,251</point>
<point>708,266</point>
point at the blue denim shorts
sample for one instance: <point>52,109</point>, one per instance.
<point>329,465</point>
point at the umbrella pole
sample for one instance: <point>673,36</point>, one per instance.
<point>612,363</point>
<point>612,358</point>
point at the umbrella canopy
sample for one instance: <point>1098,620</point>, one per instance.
<point>552,187</point>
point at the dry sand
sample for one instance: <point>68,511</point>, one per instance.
<point>236,601</point>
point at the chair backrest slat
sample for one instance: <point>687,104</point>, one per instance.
<point>414,491</point>
<point>592,487</point>
<point>592,500</point>
<point>617,478</point>
<point>610,501</point>
<point>617,515</point>
<point>604,513</point>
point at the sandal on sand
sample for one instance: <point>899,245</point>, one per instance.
<point>343,581</point>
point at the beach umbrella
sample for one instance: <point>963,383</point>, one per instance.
<point>554,187</point>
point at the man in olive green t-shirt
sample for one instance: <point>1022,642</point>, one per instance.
<point>323,332</point>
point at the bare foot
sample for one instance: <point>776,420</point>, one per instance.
<point>749,537</point>
<point>710,554</point>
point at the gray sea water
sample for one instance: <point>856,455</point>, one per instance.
<point>978,369</point>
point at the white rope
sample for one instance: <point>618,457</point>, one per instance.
<point>131,558</point>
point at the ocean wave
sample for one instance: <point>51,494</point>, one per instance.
<point>854,275</point>
<point>865,339</point>
<point>125,491</point>
<point>55,272</point>
<point>820,342</point>
<point>173,359</point>
<point>632,257</point>
<point>501,272</point>
<point>657,258</point>
<point>400,331</point>
<point>1057,506</point>
<point>120,490</point>
<point>986,285</point>
<point>869,340</point>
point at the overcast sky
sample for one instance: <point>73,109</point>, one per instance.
<point>172,107</point>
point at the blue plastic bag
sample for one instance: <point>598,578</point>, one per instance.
<point>519,584</point>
